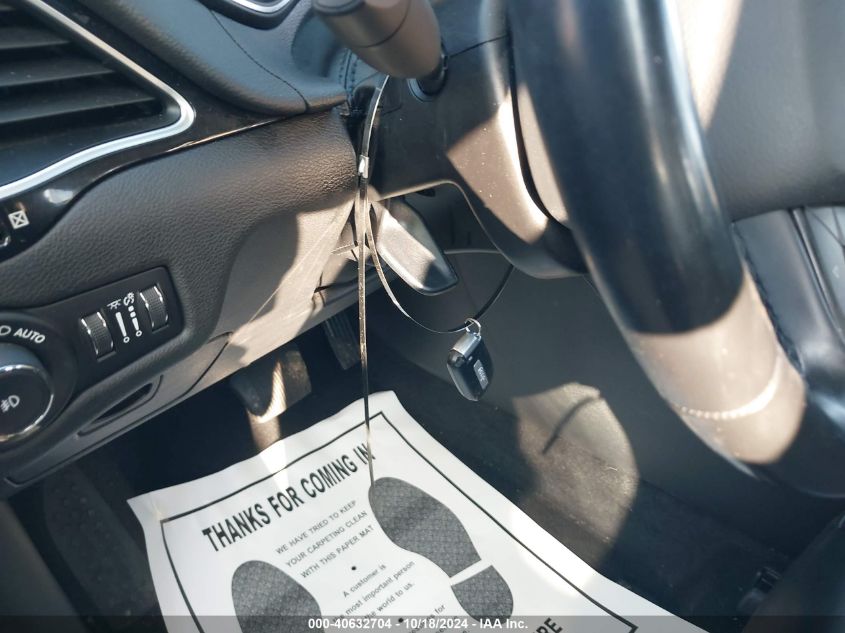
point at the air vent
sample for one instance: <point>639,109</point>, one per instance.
<point>63,93</point>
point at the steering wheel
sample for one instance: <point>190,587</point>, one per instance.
<point>612,95</point>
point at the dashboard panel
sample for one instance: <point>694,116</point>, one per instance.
<point>132,259</point>
<point>234,218</point>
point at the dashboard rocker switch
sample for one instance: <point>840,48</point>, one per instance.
<point>94,326</point>
<point>153,301</point>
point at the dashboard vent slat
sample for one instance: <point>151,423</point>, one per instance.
<point>22,38</point>
<point>33,72</point>
<point>27,110</point>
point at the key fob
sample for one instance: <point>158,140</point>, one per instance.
<point>470,365</point>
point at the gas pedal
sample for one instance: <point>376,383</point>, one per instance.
<point>343,339</point>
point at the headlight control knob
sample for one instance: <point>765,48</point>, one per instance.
<point>26,392</point>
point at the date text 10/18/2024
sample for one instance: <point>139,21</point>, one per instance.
<point>436,623</point>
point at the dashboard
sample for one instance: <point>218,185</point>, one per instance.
<point>176,185</point>
<point>153,208</point>
<point>177,176</point>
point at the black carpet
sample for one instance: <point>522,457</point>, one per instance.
<point>631,532</point>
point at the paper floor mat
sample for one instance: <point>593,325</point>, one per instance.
<point>295,538</point>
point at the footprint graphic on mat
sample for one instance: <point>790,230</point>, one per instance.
<point>419,523</point>
<point>267,600</point>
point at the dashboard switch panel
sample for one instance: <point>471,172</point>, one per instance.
<point>50,353</point>
<point>112,326</point>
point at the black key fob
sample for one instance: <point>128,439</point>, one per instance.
<point>470,364</point>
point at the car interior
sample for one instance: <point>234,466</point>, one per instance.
<point>633,210</point>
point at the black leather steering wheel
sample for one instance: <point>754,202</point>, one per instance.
<point>610,88</point>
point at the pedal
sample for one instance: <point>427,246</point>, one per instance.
<point>273,383</point>
<point>343,339</point>
<point>764,582</point>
